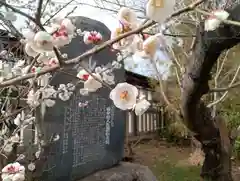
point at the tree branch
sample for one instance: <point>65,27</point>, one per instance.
<point>99,48</point>
<point>39,12</point>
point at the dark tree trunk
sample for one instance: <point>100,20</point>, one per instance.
<point>210,131</point>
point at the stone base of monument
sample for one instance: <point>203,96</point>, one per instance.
<point>125,171</point>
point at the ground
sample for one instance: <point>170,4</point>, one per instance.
<point>171,163</point>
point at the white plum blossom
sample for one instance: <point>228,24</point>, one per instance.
<point>62,31</point>
<point>37,154</point>
<point>99,70</point>
<point>92,37</point>
<point>83,74</point>
<point>47,94</point>
<point>29,35</point>
<point>91,84</point>
<point>13,172</point>
<point>116,65</point>
<point>56,137</point>
<point>125,42</point>
<point>127,17</point>
<point>71,87</point>
<point>141,107</point>
<point>43,41</point>
<point>64,93</point>
<point>84,92</point>
<point>160,10</point>
<point>33,98</point>
<point>31,166</point>
<point>20,157</point>
<point>124,96</point>
<point>149,47</point>
<point>67,23</point>
<point>15,138</point>
<point>214,21</point>
<point>17,120</point>
<point>83,104</point>
<point>108,77</point>
<point>8,147</point>
<point>29,50</point>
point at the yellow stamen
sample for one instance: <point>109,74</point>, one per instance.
<point>124,95</point>
<point>126,16</point>
<point>158,3</point>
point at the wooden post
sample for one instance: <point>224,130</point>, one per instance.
<point>135,125</point>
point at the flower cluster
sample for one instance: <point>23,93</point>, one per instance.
<point>92,37</point>
<point>214,21</point>
<point>124,97</point>
<point>13,172</point>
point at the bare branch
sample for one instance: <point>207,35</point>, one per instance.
<point>225,94</point>
<point>99,48</point>
<point>17,11</point>
<point>39,12</point>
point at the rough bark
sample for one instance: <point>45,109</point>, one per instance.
<point>210,131</point>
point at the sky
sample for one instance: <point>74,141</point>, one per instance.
<point>111,22</point>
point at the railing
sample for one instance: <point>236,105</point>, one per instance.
<point>150,122</point>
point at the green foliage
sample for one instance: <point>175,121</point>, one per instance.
<point>232,117</point>
<point>167,171</point>
<point>233,122</point>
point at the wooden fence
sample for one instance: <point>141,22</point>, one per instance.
<point>150,122</point>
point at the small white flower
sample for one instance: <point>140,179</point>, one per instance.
<point>20,63</point>
<point>159,10</point>
<point>79,32</point>
<point>91,84</point>
<point>31,166</point>
<point>56,137</point>
<point>17,120</point>
<point>37,154</point>
<point>150,46</point>
<point>108,78</point>
<point>123,43</point>
<point>13,172</point>
<point>49,102</point>
<point>20,157</point>
<point>15,138</point>
<point>3,53</point>
<point>67,23</point>
<point>116,65</point>
<point>84,92</point>
<point>71,87</point>
<point>141,107</point>
<point>124,96</point>
<point>65,55</point>
<point>214,21</point>
<point>98,70</point>
<point>8,147</point>
<point>80,104</point>
<point>33,98</point>
<point>127,17</point>
<point>42,42</point>
<point>83,74</point>
<point>64,96</point>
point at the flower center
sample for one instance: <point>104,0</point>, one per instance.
<point>124,95</point>
<point>158,3</point>
<point>11,169</point>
